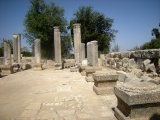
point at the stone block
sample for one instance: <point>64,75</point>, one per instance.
<point>104,82</point>
<point>137,100</point>
<point>125,62</point>
<point>37,66</point>
<point>73,69</point>
<point>58,66</point>
<point>89,71</point>
<point>132,63</point>
<point>6,69</point>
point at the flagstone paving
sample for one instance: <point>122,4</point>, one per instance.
<point>52,95</point>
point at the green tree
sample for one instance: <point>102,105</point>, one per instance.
<point>156,33</point>
<point>94,26</point>
<point>39,22</point>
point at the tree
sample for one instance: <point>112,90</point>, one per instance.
<point>94,26</point>
<point>25,51</point>
<point>39,22</point>
<point>156,33</point>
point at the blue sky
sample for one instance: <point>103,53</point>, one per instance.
<point>134,19</point>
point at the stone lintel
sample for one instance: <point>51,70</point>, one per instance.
<point>101,76</point>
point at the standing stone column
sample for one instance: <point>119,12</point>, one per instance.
<point>37,54</point>
<point>92,53</point>
<point>7,54</point>
<point>17,48</point>
<point>57,48</point>
<point>6,68</point>
<point>82,52</point>
<point>37,50</point>
<point>77,41</point>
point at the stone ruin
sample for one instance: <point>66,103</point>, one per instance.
<point>133,79</point>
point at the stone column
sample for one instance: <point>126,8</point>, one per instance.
<point>7,54</point>
<point>37,53</point>
<point>17,48</point>
<point>37,50</point>
<point>82,52</point>
<point>92,53</point>
<point>57,45</point>
<point>57,48</point>
<point>77,41</point>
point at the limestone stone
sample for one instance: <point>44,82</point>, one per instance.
<point>104,82</point>
<point>37,47</point>
<point>57,45</point>
<point>92,53</point>
<point>145,64</point>
<point>89,70</point>
<point>82,52</point>
<point>125,62</point>
<point>7,54</point>
<point>17,48</point>
<point>132,63</point>
<point>74,69</point>
<point>151,68</point>
<point>6,69</point>
<point>37,66</point>
<point>126,77</point>
<point>137,100</point>
<point>77,41</point>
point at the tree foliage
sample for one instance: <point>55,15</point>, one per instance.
<point>94,26</point>
<point>39,22</point>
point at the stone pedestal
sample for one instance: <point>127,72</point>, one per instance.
<point>17,48</point>
<point>37,50</point>
<point>137,101</point>
<point>37,67</point>
<point>104,82</point>
<point>89,71</point>
<point>6,69</point>
<point>77,41</point>
<point>57,48</point>
<point>92,53</point>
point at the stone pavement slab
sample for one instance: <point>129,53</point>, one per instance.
<point>52,95</point>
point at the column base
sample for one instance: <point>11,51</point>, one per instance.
<point>6,69</point>
<point>58,66</point>
<point>37,67</point>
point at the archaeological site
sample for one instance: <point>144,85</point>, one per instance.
<point>92,86</point>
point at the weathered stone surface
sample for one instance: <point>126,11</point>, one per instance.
<point>146,63</point>
<point>137,100</point>
<point>82,52</point>
<point>92,69</point>
<point>7,54</point>
<point>58,66</point>
<point>17,48</point>
<point>105,76</point>
<point>57,45</point>
<point>126,77</point>
<point>37,50</point>
<point>125,62</point>
<point>104,82</point>
<point>37,66</point>
<point>74,69</point>
<point>77,41</point>
<point>93,53</point>
<point>132,63</point>
<point>6,69</point>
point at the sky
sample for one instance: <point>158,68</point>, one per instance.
<point>134,19</point>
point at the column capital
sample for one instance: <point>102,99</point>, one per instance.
<point>77,25</point>
<point>56,28</point>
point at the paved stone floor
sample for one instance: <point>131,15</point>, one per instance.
<point>52,95</point>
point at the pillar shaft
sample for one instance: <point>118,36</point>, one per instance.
<point>57,45</point>
<point>37,50</point>
<point>92,53</point>
<point>82,52</point>
<point>7,54</point>
<point>77,41</point>
<point>17,48</point>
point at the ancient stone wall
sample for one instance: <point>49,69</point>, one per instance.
<point>146,60</point>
